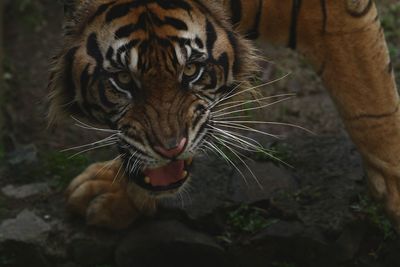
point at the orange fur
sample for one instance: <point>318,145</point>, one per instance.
<point>345,43</point>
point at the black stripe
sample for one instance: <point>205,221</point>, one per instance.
<point>126,31</point>
<point>197,120</point>
<point>69,79</point>
<point>121,10</point>
<point>85,78</point>
<point>127,47</point>
<point>173,22</point>
<point>225,89</point>
<point>324,15</point>
<point>361,13</point>
<point>93,49</point>
<point>376,116</point>
<point>103,97</point>
<point>254,32</point>
<point>199,43</point>
<point>236,60</point>
<point>175,4</point>
<point>293,25</point>
<point>109,57</point>
<point>100,10</point>
<point>213,80</point>
<point>236,11</point>
<point>176,23</point>
<point>223,60</point>
<point>211,37</point>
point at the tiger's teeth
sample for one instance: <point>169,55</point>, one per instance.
<point>147,180</point>
<point>184,174</point>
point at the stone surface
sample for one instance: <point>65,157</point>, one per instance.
<point>20,192</point>
<point>208,188</point>
<point>92,248</point>
<point>23,240</point>
<point>271,179</point>
<point>215,185</point>
<point>26,227</point>
<point>168,243</point>
<point>23,154</point>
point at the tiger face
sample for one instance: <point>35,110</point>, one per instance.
<point>153,71</point>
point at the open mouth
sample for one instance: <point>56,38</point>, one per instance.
<point>165,178</point>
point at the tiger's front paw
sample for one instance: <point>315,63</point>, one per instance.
<point>384,185</point>
<point>101,195</point>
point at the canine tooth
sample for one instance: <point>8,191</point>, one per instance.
<point>147,180</point>
<point>184,174</point>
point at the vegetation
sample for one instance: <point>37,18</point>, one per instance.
<point>63,168</point>
<point>375,214</point>
<point>390,21</point>
<point>247,219</point>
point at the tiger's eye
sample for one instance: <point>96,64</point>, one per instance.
<point>124,77</point>
<point>190,70</point>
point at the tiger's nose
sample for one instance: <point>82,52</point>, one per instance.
<point>174,148</point>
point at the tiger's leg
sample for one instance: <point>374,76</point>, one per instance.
<point>103,196</point>
<point>349,50</point>
<point>345,42</point>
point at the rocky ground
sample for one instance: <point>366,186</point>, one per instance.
<point>315,213</point>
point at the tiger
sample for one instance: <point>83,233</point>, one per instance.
<point>153,72</point>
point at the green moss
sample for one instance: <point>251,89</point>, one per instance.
<point>56,168</point>
<point>248,220</point>
<point>391,20</point>
<point>376,216</point>
<point>63,168</point>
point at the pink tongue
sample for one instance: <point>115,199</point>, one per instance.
<point>166,175</point>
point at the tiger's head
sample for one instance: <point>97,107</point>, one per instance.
<point>153,70</point>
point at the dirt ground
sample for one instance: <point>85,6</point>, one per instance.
<point>31,151</point>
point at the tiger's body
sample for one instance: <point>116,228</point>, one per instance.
<point>153,70</point>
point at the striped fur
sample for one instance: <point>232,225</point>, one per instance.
<point>155,39</point>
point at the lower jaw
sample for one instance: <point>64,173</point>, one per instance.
<point>139,179</point>
<point>172,188</point>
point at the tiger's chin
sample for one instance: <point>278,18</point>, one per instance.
<point>162,180</point>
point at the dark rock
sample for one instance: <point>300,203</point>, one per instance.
<point>280,229</point>
<point>216,185</point>
<point>208,189</point>
<point>20,254</point>
<point>349,242</point>
<point>91,249</point>
<point>270,180</point>
<point>168,243</point>
<point>26,227</point>
<point>23,154</point>
<point>22,240</point>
